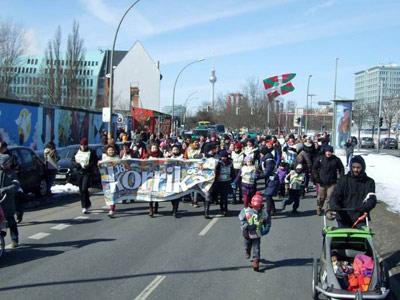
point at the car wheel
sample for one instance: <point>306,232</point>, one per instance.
<point>42,189</point>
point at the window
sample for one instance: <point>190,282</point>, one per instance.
<point>26,157</point>
<point>29,61</point>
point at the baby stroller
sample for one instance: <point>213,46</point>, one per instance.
<point>344,246</point>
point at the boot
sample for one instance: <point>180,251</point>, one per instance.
<point>155,208</point>
<point>255,264</point>
<point>151,212</point>
<point>207,211</point>
<point>319,211</point>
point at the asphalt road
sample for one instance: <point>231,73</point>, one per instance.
<point>136,257</point>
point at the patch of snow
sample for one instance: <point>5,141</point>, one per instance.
<point>66,188</point>
<point>384,169</point>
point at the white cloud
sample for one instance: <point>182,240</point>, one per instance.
<point>307,31</point>
<point>320,6</point>
<point>173,16</point>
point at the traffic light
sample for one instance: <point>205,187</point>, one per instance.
<point>380,121</point>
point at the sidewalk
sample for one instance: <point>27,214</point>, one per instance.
<point>386,226</point>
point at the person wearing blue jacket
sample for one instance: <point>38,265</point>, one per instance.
<point>268,167</point>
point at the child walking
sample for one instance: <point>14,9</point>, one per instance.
<point>247,177</point>
<point>254,222</point>
<point>110,155</point>
<point>296,180</point>
<point>282,172</point>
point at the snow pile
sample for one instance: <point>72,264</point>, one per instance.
<point>67,188</point>
<point>385,170</point>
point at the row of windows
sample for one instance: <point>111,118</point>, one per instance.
<point>18,70</point>
<point>78,72</point>
<point>82,63</point>
<point>32,61</point>
<point>40,90</point>
<point>44,80</point>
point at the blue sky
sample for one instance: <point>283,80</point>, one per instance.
<point>242,39</point>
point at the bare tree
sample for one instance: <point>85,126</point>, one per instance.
<point>390,110</point>
<point>360,117</point>
<point>372,110</point>
<point>53,69</point>
<point>74,57</point>
<point>11,48</point>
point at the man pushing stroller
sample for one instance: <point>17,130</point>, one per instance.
<point>356,191</point>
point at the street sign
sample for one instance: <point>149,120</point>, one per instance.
<point>299,112</point>
<point>106,114</point>
<point>324,103</point>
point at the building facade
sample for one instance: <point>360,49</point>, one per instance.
<point>32,79</point>
<point>42,80</point>
<point>137,71</point>
<point>367,83</point>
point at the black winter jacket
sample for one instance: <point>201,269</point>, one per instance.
<point>350,192</point>
<point>325,170</point>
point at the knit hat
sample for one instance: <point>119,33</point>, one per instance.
<point>257,201</point>
<point>223,153</point>
<point>328,148</point>
<point>238,145</point>
<point>84,141</point>
<point>247,158</point>
<point>358,159</point>
<point>270,143</point>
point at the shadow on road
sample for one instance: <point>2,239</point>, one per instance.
<point>291,262</point>
<point>288,214</point>
<point>58,221</point>
<point>30,252</point>
<point>123,277</point>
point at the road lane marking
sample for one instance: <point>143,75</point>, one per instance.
<point>60,226</point>
<point>39,236</point>
<point>150,288</point>
<point>208,227</point>
<point>81,218</point>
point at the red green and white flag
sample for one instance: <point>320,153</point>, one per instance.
<point>279,85</point>
<point>274,81</point>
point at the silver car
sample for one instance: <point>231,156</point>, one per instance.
<point>367,142</point>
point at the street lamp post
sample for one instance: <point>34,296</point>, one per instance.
<point>110,97</point>
<point>306,119</point>
<point>185,105</point>
<point>173,93</point>
<point>311,118</point>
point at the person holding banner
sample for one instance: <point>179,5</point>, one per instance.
<point>176,154</point>
<point>223,179</point>
<point>85,160</point>
<point>110,155</point>
<point>154,153</point>
<point>210,151</point>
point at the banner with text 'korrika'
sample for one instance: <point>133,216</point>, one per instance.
<point>129,180</point>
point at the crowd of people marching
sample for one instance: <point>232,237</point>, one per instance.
<point>289,168</point>
<point>286,167</point>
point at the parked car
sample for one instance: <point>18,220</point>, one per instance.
<point>367,142</point>
<point>67,172</point>
<point>31,171</point>
<point>389,143</point>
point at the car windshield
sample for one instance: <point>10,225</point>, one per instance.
<point>367,139</point>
